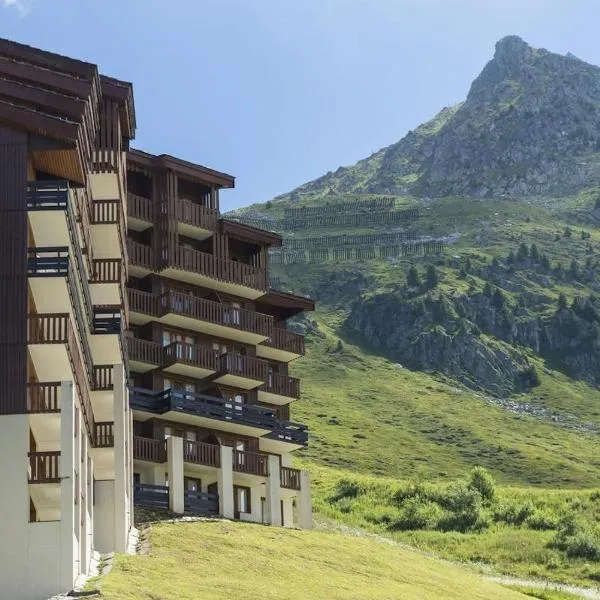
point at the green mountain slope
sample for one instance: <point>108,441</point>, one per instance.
<point>233,560</point>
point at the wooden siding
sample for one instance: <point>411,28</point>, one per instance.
<point>13,271</point>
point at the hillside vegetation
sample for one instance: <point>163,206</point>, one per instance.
<point>224,560</point>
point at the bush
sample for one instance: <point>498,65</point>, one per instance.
<point>542,520</point>
<point>346,488</point>
<point>513,513</point>
<point>465,507</point>
<point>417,513</point>
<point>483,482</point>
<point>583,545</point>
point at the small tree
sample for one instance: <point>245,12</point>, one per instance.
<point>523,251</point>
<point>511,258</point>
<point>534,252</point>
<point>574,270</point>
<point>568,232</point>
<point>562,301</point>
<point>545,261</point>
<point>468,265</point>
<point>481,481</point>
<point>412,277</point>
<point>432,276</point>
<point>487,289</point>
<point>498,299</point>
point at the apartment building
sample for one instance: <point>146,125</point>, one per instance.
<point>209,353</point>
<point>65,425</point>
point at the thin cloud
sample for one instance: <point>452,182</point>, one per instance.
<point>21,6</point>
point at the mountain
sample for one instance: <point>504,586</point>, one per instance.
<point>529,126</point>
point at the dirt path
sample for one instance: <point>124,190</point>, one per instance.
<point>546,585</point>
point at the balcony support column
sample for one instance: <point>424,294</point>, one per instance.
<point>304,502</point>
<point>121,430</point>
<point>225,482</point>
<point>273,491</point>
<point>68,569</point>
<point>175,468</point>
<point>288,512</point>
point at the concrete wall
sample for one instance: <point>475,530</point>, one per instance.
<point>104,516</point>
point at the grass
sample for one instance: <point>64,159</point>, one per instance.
<point>514,534</point>
<point>543,594</point>
<point>224,560</point>
<point>369,415</point>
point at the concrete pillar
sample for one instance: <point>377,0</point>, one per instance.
<point>175,468</point>
<point>273,491</point>
<point>159,476</point>
<point>225,482</point>
<point>84,541</point>
<point>288,512</point>
<point>286,460</point>
<point>68,572</point>
<point>304,502</point>
<point>255,504</point>
<point>90,505</point>
<point>120,433</point>
<point>130,461</point>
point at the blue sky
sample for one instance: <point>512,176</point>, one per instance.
<point>278,92</point>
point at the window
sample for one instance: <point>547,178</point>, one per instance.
<point>241,500</point>
<point>232,313</point>
<point>190,436</point>
<point>191,484</point>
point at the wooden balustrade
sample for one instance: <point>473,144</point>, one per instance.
<point>149,449</point>
<point>244,366</point>
<point>143,302</point>
<point>47,328</point>
<point>104,435</point>
<point>283,385</point>
<point>286,340</point>
<point>139,207</point>
<point>144,351</point>
<point>44,467</point>
<point>196,215</point>
<point>217,312</point>
<point>140,255</point>
<point>208,265</point>
<point>192,354</point>
<point>253,463</point>
<point>290,478</point>
<point>43,397</point>
<point>107,270</point>
<point>103,378</point>
<point>201,453</point>
<point>106,212</point>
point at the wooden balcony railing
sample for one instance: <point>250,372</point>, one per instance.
<point>286,340</point>
<point>144,351</point>
<point>208,265</point>
<point>290,478</point>
<point>58,329</point>
<point>282,385</point>
<point>253,463</point>
<point>140,255</point>
<point>102,378</point>
<point>201,454</point>
<point>104,435</point>
<point>106,212</point>
<point>191,354</point>
<point>44,467</point>
<point>243,366</point>
<point>149,449</point>
<point>143,302</point>
<point>139,207</point>
<point>107,270</point>
<point>196,215</point>
<point>216,312</point>
<point>43,397</point>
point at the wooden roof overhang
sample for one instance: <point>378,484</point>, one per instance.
<point>56,100</point>
<point>146,162</point>
<point>250,234</point>
<point>122,93</point>
<point>287,305</point>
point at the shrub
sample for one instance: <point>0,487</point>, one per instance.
<point>583,545</point>
<point>513,513</point>
<point>417,513</point>
<point>465,509</point>
<point>483,482</point>
<point>346,488</point>
<point>542,520</point>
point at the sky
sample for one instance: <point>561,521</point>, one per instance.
<point>278,92</point>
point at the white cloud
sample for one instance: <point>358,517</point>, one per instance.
<point>21,6</point>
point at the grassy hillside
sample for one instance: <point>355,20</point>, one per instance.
<point>369,415</point>
<point>223,560</point>
<point>535,533</point>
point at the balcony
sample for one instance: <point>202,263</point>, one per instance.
<point>50,213</point>
<point>103,378</point>
<point>279,389</point>
<point>202,410</point>
<point>141,259</point>
<point>108,228</point>
<point>107,320</point>
<point>44,467</point>
<point>104,436</point>
<point>290,478</point>
<point>290,433</point>
<point>251,463</point>
<point>195,220</point>
<point>200,453</point>
<point>190,360</point>
<point>108,281</point>
<point>143,355</point>
<point>240,371</point>
<point>283,346</point>
<point>106,343</point>
<point>149,450</point>
<point>206,270</point>
<point>139,212</point>
<point>199,314</point>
